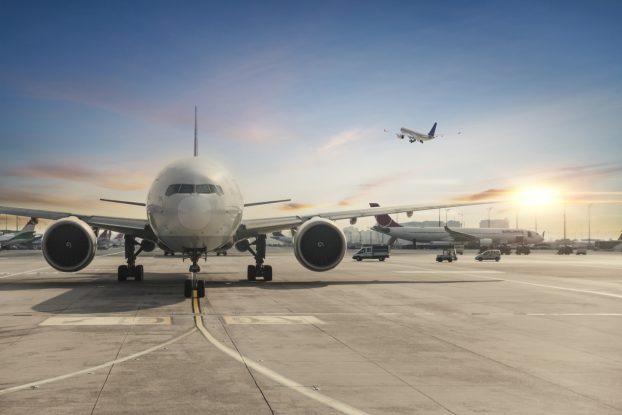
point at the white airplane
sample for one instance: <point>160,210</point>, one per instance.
<point>278,236</point>
<point>25,235</point>
<point>416,136</point>
<point>194,206</point>
<point>444,236</point>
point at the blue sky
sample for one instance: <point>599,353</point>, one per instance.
<point>294,97</point>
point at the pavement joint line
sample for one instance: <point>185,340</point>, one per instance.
<point>42,268</point>
<point>605,294</point>
<point>98,367</point>
<point>269,373</point>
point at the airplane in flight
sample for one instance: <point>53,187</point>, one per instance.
<point>445,236</point>
<point>194,206</point>
<point>416,136</point>
<point>25,235</point>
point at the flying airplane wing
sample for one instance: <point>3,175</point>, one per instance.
<point>460,236</point>
<point>137,227</point>
<point>252,227</point>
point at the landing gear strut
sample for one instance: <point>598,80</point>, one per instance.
<point>192,282</point>
<point>259,270</point>
<point>131,270</point>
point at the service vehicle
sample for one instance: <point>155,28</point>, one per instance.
<point>565,250</point>
<point>581,251</point>
<point>523,249</point>
<point>491,254</point>
<point>379,252</point>
<point>448,255</point>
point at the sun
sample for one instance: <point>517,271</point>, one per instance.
<point>537,196</point>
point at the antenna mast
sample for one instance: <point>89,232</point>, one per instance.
<point>196,140</point>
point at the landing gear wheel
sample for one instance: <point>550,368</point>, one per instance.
<point>188,289</point>
<point>138,273</point>
<point>122,272</point>
<point>250,273</point>
<point>267,273</point>
<point>200,288</point>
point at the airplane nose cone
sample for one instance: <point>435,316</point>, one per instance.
<point>195,212</point>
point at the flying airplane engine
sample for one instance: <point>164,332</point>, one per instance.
<point>319,245</point>
<point>69,245</point>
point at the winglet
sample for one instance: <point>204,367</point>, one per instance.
<point>432,131</point>
<point>196,140</point>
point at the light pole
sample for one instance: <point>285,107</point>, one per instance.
<point>564,223</point>
<point>589,225</point>
<point>489,209</point>
<point>439,217</point>
<point>446,210</point>
<point>461,219</point>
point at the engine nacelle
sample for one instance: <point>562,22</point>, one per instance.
<point>69,245</point>
<point>147,245</point>
<point>485,242</point>
<point>319,245</point>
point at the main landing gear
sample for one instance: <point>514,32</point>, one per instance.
<point>192,282</point>
<point>131,270</point>
<point>259,270</point>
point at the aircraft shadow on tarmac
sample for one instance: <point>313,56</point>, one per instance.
<point>102,293</point>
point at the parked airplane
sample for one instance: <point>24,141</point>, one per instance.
<point>24,235</point>
<point>117,240</point>
<point>445,236</point>
<point>416,136</point>
<point>278,236</point>
<point>103,240</point>
<point>194,206</point>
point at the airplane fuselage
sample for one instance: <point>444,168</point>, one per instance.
<point>433,234</point>
<point>194,204</point>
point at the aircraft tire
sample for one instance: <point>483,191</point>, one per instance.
<point>188,289</point>
<point>122,272</point>
<point>200,288</point>
<point>139,272</point>
<point>267,273</point>
<point>250,273</point>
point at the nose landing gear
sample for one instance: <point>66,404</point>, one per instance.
<point>192,282</point>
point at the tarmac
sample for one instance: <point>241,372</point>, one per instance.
<point>537,334</point>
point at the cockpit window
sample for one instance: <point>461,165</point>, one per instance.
<point>207,188</point>
<point>186,188</point>
<point>172,189</point>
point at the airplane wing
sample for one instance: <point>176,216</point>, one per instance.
<point>136,227</point>
<point>460,236</point>
<point>253,227</point>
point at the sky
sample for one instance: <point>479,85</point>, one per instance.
<point>294,97</point>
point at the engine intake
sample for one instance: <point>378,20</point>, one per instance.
<point>69,245</point>
<point>319,245</point>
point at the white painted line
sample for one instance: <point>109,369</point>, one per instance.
<point>105,321</point>
<point>306,391</point>
<point>605,294</point>
<point>272,320</point>
<point>25,272</point>
<point>435,271</point>
<point>577,314</point>
<point>98,367</point>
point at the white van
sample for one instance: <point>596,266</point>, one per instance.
<point>489,255</point>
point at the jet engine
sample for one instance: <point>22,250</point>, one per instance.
<point>319,245</point>
<point>69,245</point>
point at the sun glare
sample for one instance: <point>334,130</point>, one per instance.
<point>537,196</point>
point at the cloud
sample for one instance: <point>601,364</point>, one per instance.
<point>489,194</point>
<point>58,199</point>
<point>295,206</point>
<point>340,139</point>
<point>109,179</point>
